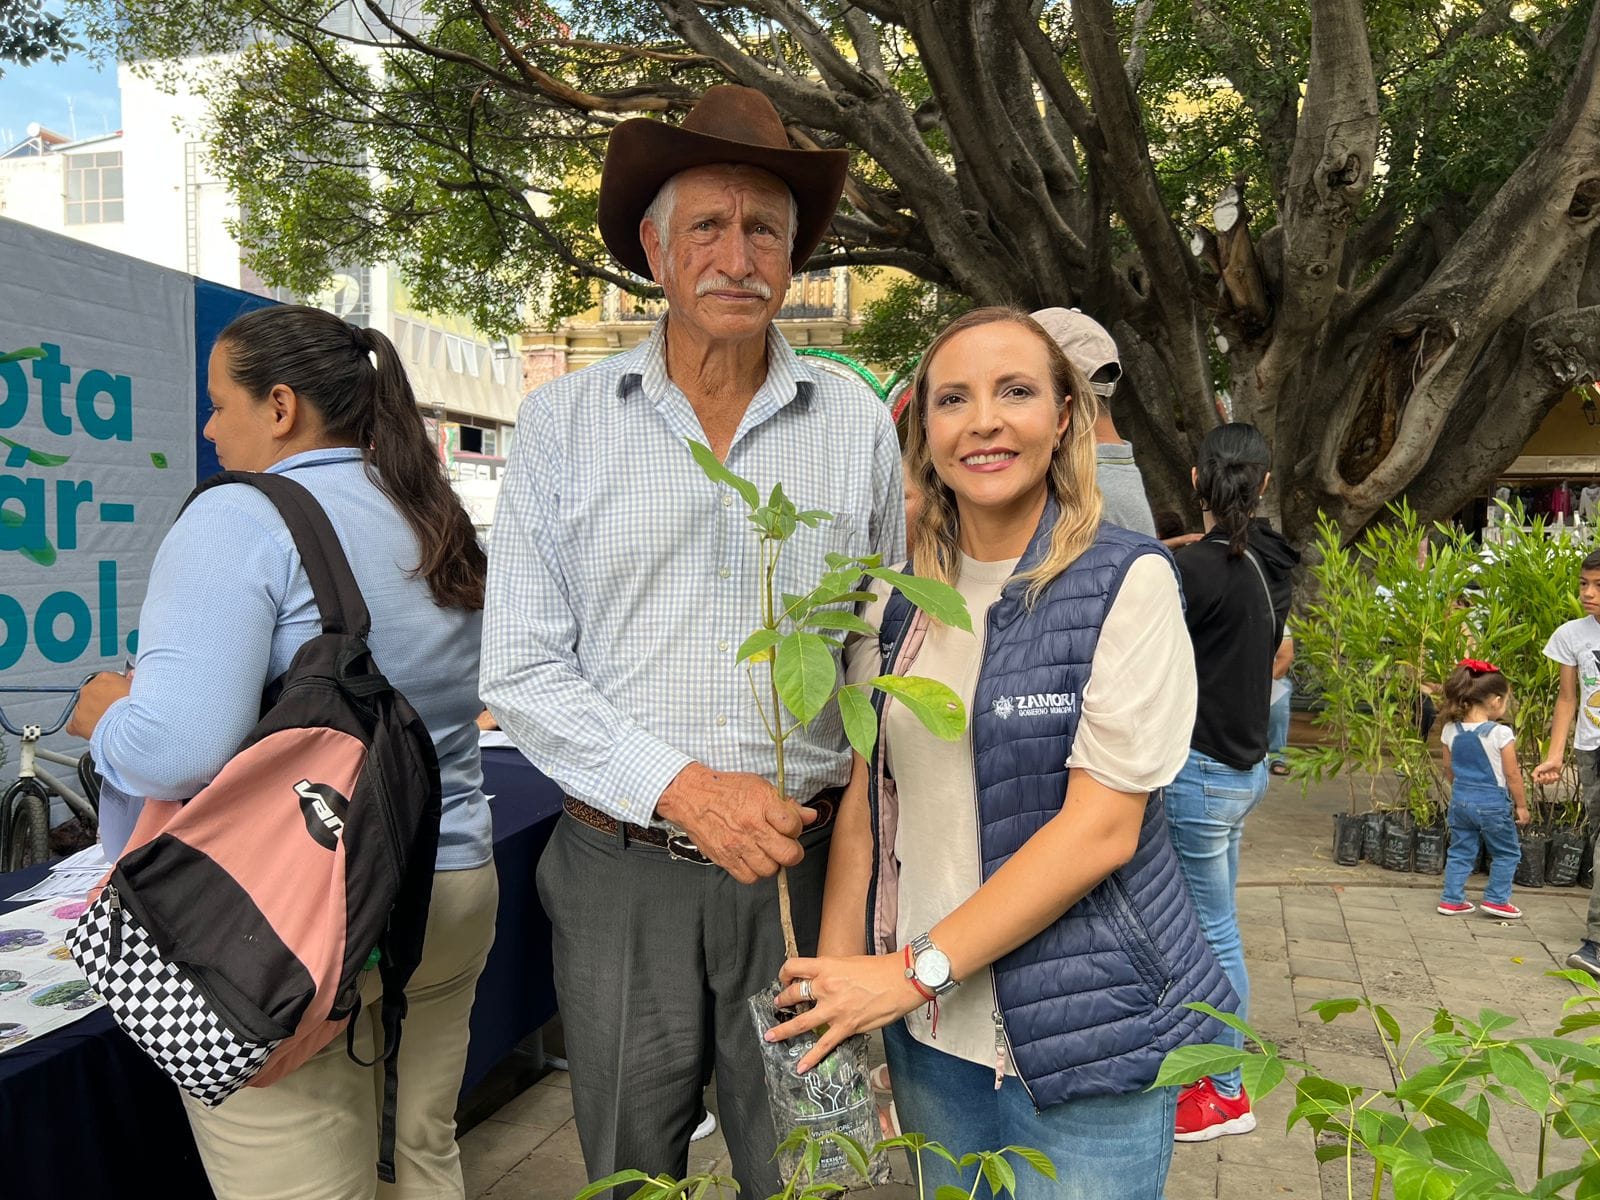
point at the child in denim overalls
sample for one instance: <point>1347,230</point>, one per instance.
<point>1480,760</point>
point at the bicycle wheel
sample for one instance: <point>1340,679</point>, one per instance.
<point>26,812</point>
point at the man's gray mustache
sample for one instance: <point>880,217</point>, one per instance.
<point>719,283</point>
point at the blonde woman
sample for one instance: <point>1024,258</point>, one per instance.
<point>1008,908</point>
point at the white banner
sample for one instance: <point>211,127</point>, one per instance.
<point>97,450</point>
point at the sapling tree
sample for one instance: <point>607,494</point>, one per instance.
<point>798,635</point>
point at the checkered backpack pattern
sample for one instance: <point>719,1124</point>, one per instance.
<point>164,1012</point>
<point>232,937</point>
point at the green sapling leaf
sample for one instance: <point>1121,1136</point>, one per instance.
<point>834,619</point>
<point>939,600</point>
<point>813,517</point>
<point>860,722</point>
<point>805,674</point>
<point>1188,1063</point>
<point>717,473</point>
<point>1036,1159</point>
<point>758,646</point>
<point>938,708</point>
<point>19,355</point>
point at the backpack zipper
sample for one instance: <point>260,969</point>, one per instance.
<point>114,902</point>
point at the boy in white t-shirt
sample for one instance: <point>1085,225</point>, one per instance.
<point>1576,646</point>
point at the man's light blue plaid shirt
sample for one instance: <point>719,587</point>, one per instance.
<point>622,581</point>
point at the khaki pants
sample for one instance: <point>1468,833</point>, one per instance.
<point>313,1135</point>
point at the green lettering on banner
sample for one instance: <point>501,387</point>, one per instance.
<point>108,608</point>
<point>66,625</point>
<point>15,622</point>
<point>56,648</point>
<point>53,375</point>
<point>119,425</point>
<point>15,404</point>
<point>29,532</point>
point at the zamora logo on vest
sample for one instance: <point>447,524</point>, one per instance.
<point>1039,704</point>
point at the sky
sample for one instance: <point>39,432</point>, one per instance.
<point>56,95</point>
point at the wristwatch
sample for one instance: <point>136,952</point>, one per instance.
<point>929,966</point>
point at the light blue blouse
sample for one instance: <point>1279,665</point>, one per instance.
<point>227,607</point>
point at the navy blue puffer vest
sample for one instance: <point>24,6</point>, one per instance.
<point>1092,1004</point>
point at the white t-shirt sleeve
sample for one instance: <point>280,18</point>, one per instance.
<point>1499,738</point>
<point>1561,649</point>
<point>1139,706</point>
<point>1447,735</point>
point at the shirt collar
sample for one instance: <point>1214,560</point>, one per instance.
<point>645,374</point>
<point>315,458</point>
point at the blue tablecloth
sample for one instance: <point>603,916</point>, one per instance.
<point>84,1113</point>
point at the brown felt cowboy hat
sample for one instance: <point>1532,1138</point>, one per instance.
<point>729,125</point>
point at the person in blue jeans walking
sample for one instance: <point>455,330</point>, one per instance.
<point>1480,760</point>
<point>1237,588</point>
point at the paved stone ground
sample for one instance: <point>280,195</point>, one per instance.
<point>1312,931</point>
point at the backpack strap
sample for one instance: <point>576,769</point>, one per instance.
<point>333,583</point>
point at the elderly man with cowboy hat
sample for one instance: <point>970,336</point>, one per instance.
<point>621,584</point>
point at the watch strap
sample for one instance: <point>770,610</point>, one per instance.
<point>911,974</point>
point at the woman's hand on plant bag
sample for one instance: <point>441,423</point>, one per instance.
<point>849,996</point>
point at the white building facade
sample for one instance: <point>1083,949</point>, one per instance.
<point>148,191</point>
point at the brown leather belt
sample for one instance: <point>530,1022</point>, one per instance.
<point>677,844</point>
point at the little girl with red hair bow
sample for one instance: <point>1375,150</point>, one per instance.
<point>1480,760</point>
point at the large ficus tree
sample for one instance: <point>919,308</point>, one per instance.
<point>1371,226</point>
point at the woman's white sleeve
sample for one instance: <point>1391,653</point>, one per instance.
<point>1139,706</point>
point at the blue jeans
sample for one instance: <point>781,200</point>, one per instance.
<point>1206,808</point>
<point>1101,1145</point>
<point>1278,725</point>
<point>1481,815</point>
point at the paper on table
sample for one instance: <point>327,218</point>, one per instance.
<point>41,987</point>
<point>494,737</point>
<point>70,884</point>
<point>91,859</point>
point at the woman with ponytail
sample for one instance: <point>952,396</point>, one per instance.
<point>298,392</point>
<point>1236,589</point>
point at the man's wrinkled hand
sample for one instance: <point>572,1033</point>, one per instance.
<point>737,819</point>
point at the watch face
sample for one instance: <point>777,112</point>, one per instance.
<point>933,968</point>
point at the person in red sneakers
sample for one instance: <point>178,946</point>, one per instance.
<point>1205,1114</point>
<point>1480,760</point>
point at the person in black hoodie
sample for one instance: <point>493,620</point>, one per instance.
<point>1237,589</point>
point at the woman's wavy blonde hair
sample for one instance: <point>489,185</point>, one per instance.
<point>1071,478</point>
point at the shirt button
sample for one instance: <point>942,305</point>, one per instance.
<point>727,500</point>
<point>723,644</point>
<point>722,719</point>
<point>724,572</point>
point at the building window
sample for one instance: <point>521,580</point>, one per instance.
<point>94,188</point>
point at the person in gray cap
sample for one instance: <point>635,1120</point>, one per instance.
<point>1092,351</point>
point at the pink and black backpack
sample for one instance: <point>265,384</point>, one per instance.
<point>231,938</point>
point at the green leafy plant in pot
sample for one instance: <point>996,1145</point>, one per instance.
<point>793,648</point>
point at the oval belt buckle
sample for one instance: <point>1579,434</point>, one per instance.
<point>681,848</point>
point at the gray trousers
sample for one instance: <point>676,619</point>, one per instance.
<point>1589,789</point>
<point>655,960</point>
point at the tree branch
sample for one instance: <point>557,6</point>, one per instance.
<point>1328,175</point>
<point>1544,215</point>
